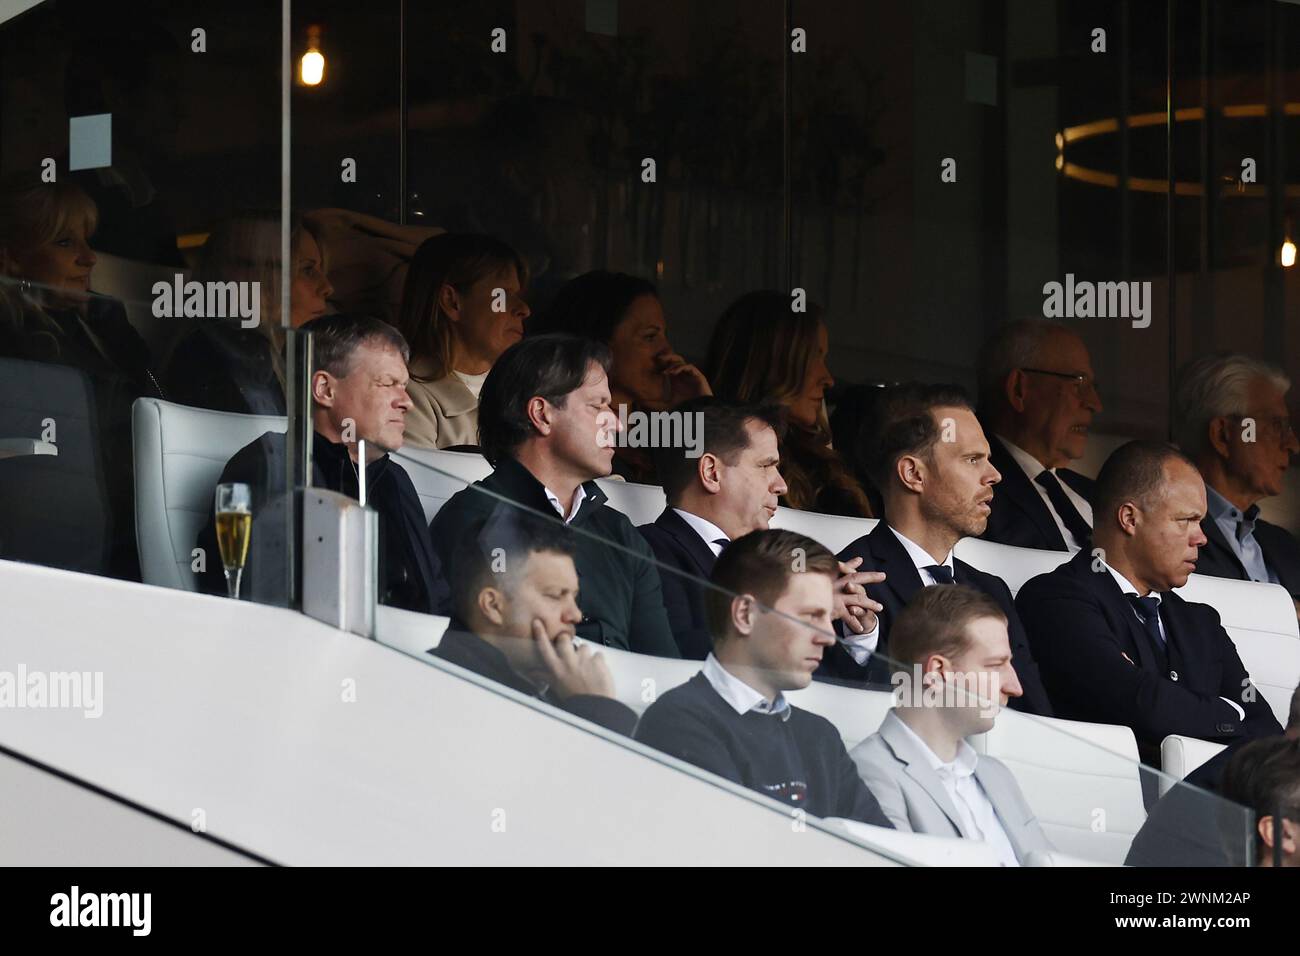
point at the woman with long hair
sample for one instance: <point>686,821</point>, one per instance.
<point>220,364</point>
<point>761,351</point>
<point>646,375</point>
<point>462,306</point>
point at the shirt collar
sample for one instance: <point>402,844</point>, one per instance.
<point>1125,584</point>
<point>555,502</point>
<point>920,557</point>
<point>963,765</point>
<point>1030,465</point>
<point>739,696</point>
<point>705,528</point>
<point>1221,508</point>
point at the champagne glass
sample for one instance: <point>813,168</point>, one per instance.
<point>234,528</point>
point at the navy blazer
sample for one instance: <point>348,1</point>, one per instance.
<point>676,545</point>
<point>882,551</point>
<point>1020,517</point>
<point>1099,664</point>
<point>1281,551</point>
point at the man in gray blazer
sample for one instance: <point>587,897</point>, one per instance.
<point>954,658</point>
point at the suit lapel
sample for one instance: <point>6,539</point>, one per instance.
<point>701,554</point>
<point>1222,549</point>
<point>916,766</point>
<point>1108,588</point>
<point>1016,488</point>
<point>992,784</point>
<point>901,577</point>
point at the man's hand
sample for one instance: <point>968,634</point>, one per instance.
<point>852,605</point>
<point>573,670</point>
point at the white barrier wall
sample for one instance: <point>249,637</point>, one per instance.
<point>239,715</point>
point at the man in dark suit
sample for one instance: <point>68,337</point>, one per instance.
<point>1114,643</point>
<point>1037,401</point>
<point>930,461</point>
<point>725,487</point>
<point>1232,421</point>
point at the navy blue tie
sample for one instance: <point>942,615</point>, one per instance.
<point>940,573</point>
<point>1148,611</point>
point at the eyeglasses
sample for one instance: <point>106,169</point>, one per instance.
<point>1082,383</point>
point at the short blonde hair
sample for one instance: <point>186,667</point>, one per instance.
<point>33,213</point>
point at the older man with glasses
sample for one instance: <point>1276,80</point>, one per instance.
<point>1037,400</point>
<point>1231,419</point>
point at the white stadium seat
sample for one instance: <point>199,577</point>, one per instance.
<point>830,531</point>
<point>640,679</point>
<point>640,503</point>
<point>1013,565</point>
<point>1080,779</point>
<point>1179,756</point>
<point>856,713</point>
<point>437,475</point>
<point>179,455</point>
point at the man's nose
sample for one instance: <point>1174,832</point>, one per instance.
<point>1010,682</point>
<point>404,400</point>
<point>778,486</point>
<point>993,476</point>
<point>572,613</point>
<point>1198,536</point>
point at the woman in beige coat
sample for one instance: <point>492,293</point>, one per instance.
<point>461,308</point>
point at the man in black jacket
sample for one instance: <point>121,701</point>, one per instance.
<point>771,618</point>
<point>546,426</point>
<point>358,393</point>
<point>930,462</point>
<point>513,621</point>
<point>1232,421</point>
<point>1114,643</point>
<point>1037,401</point>
<point>729,487</point>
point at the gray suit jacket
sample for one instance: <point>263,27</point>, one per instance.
<point>895,769</point>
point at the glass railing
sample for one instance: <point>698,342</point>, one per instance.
<point>1064,792</point>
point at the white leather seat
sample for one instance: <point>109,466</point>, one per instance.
<point>1080,779</point>
<point>640,503</point>
<point>1013,565</point>
<point>639,679</point>
<point>179,455</point>
<point>1179,756</point>
<point>856,714</point>
<point>437,475</point>
<point>830,531</point>
<point>409,631</point>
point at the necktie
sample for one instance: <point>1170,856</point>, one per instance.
<point>1065,509</point>
<point>1148,610</point>
<point>1246,523</point>
<point>722,544</point>
<point>940,573</point>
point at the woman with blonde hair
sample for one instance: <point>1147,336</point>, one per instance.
<point>48,314</point>
<point>220,364</point>
<point>462,306</point>
<point>763,352</point>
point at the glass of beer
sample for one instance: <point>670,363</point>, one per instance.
<point>234,527</point>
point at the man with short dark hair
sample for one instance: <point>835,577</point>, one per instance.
<point>770,625</point>
<point>730,487</point>
<point>358,390</point>
<point>953,675</point>
<point>929,460</point>
<point>1231,419</point>
<point>1037,399</point>
<point>1264,776</point>
<point>1114,643</point>
<point>546,426</point>
<point>515,609</point>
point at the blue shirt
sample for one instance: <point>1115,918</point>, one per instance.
<point>1239,530</point>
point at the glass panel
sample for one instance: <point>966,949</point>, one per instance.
<point>142,335</point>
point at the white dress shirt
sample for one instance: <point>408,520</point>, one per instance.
<point>922,559</point>
<point>1127,587</point>
<point>554,499</point>
<point>709,532</point>
<point>977,817</point>
<point>1032,468</point>
<point>740,696</point>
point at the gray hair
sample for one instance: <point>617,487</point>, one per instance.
<point>1213,386</point>
<point>335,339</point>
<point>1013,345</point>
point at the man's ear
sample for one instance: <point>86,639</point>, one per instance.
<point>449,301</point>
<point>1015,387</point>
<point>744,610</point>
<point>933,665</point>
<point>539,414</point>
<point>1220,435</point>
<point>492,605</point>
<point>709,472</point>
<point>911,472</point>
<point>322,389</point>
<point>1129,516</point>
